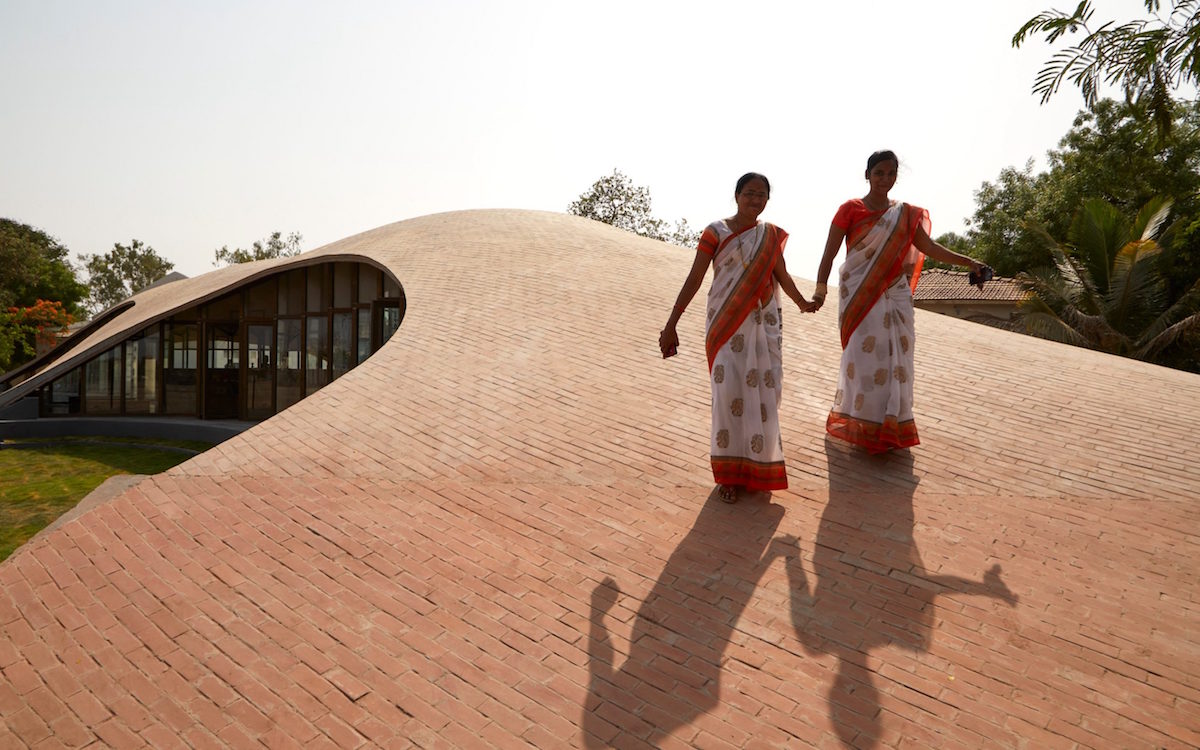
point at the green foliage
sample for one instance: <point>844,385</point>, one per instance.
<point>1003,208</point>
<point>1108,154</point>
<point>1147,58</point>
<point>34,266</point>
<point>24,331</point>
<point>615,200</point>
<point>275,246</point>
<point>1106,289</point>
<point>122,272</point>
<point>952,241</point>
<point>37,286</point>
<point>42,480</point>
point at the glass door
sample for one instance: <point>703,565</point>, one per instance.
<point>260,375</point>
<point>222,377</point>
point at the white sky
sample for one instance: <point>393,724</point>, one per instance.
<point>192,125</point>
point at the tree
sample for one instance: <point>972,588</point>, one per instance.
<point>122,272</point>
<point>683,235</point>
<point>1106,291</point>
<point>38,291</point>
<point>953,241</point>
<point>998,229</point>
<point>34,266</point>
<point>1147,58</point>
<point>615,200</point>
<point>27,331</point>
<point>1107,154</point>
<point>275,246</point>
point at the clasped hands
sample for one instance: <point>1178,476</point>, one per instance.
<point>818,298</point>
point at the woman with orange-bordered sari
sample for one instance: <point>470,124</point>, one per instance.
<point>886,243</point>
<point>743,340</point>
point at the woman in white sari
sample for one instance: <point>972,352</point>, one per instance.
<point>886,243</point>
<point>743,340</point>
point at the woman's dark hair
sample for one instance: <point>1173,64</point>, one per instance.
<point>878,156</point>
<point>741,183</point>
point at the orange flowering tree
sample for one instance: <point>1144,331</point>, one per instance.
<point>24,331</point>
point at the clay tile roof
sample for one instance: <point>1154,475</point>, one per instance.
<point>501,531</point>
<point>938,284</point>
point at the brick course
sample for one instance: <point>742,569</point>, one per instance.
<point>500,530</point>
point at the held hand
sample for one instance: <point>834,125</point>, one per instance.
<point>668,341</point>
<point>819,296</point>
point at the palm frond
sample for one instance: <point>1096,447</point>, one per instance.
<point>1041,321</point>
<point>1070,279</point>
<point>1097,331</point>
<point>1152,218</point>
<point>1171,324</point>
<point>1138,292</point>
<point>1049,312</point>
<point>1152,348</point>
<point>1055,23</point>
<point>1048,285</point>
<point>1097,233</point>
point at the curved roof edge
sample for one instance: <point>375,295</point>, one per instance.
<point>158,302</point>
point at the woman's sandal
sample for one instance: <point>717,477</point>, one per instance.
<point>728,493</point>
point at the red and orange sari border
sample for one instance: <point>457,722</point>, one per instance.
<point>756,286</point>
<point>754,476</point>
<point>875,437</point>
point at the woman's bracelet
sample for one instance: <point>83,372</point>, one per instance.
<point>821,291</point>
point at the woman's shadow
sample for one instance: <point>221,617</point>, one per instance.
<point>872,590</point>
<point>681,629</point>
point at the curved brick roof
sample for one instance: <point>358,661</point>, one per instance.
<point>500,531</point>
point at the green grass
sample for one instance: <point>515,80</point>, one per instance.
<point>40,482</point>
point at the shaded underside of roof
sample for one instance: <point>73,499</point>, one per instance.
<point>500,529</point>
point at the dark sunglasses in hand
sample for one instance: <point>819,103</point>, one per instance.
<point>976,279</point>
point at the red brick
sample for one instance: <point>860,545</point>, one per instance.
<point>428,570</point>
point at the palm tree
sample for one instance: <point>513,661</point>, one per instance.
<point>1148,58</point>
<point>1105,290</point>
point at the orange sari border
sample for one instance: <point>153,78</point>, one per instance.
<point>875,437</point>
<point>755,286</point>
<point>742,472</point>
<point>896,249</point>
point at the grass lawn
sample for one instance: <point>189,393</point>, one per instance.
<point>42,479</point>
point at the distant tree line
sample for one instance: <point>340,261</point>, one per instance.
<point>42,292</point>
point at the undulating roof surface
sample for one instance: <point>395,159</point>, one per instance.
<point>500,531</point>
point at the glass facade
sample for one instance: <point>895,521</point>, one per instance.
<point>246,355</point>
<point>316,354</point>
<point>289,387</point>
<point>102,383</point>
<point>260,376</point>
<point>141,373</point>
<point>180,366</point>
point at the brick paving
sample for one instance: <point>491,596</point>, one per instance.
<point>500,531</point>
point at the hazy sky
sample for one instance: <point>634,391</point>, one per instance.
<point>192,125</point>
